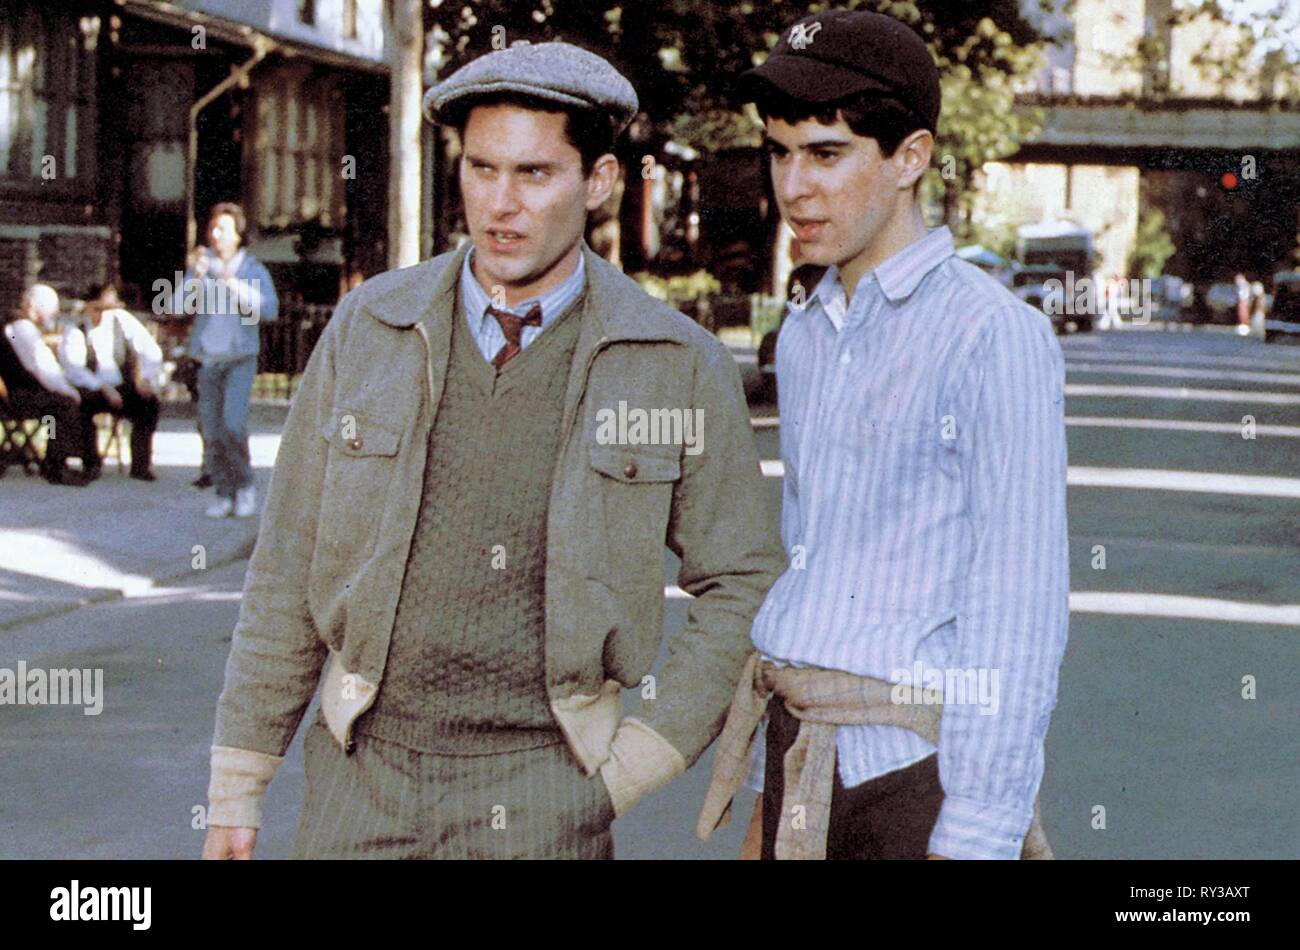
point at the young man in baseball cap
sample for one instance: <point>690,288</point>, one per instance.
<point>464,537</point>
<point>911,649</point>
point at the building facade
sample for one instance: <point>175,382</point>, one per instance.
<point>121,121</point>
<point>1148,109</point>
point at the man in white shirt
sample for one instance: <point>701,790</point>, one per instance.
<point>38,389</point>
<point>114,360</point>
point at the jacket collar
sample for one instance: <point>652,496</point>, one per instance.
<point>618,307</point>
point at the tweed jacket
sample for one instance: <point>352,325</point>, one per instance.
<point>321,590</point>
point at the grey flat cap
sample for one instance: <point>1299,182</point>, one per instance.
<point>560,72</point>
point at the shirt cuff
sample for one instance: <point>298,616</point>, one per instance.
<point>969,829</point>
<point>640,760</point>
<point>239,779</point>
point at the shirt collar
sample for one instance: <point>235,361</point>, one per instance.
<point>476,299</point>
<point>902,273</point>
<point>898,276</point>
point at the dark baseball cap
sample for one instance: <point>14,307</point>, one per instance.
<point>830,56</point>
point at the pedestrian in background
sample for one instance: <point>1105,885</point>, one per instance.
<point>1243,304</point>
<point>229,293</point>
<point>114,361</point>
<point>38,388</point>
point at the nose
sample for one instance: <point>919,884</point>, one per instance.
<point>503,198</point>
<point>791,181</point>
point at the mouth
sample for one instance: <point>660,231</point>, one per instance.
<point>807,229</point>
<point>503,239</point>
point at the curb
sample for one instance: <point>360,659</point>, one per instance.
<point>102,595</point>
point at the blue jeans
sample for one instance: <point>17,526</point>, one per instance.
<point>224,392</point>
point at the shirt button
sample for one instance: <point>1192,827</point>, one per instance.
<point>845,358</point>
<point>630,471</point>
<point>354,443</point>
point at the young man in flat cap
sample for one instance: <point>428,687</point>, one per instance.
<point>923,438</point>
<point>463,538</point>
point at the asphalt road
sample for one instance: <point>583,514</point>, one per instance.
<point>1201,588</point>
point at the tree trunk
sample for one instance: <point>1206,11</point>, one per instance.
<point>404,119</point>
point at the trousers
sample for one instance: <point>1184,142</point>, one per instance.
<point>141,411</point>
<point>225,390</point>
<point>885,818</point>
<point>384,800</point>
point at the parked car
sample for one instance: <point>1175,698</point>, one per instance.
<point>1283,316</point>
<point>1052,251</point>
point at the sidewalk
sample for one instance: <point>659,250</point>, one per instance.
<point>63,547</point>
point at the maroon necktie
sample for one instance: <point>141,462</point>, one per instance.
<point>512,326</point>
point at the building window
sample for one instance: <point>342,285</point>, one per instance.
<point>47,78</point>
<point>307,12</point>
<point>350,19</point>
<point>297,153</point>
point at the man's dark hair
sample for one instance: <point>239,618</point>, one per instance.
<point>589,131</point>
<point>98,290</point>
<point>870,115</point>
<point>235,212</point>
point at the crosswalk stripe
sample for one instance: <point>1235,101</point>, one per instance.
<point>1152,479</point>
<point>1152,605</point>
<point>1190,608</point>
<point>1121,422</point>
<point>1171,480</point>
<point>1163,392</point>
<point>1186,372</point>
<point>1180,425</point>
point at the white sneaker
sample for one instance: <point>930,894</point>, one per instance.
<point>246,502</point>
<point>221,508</point>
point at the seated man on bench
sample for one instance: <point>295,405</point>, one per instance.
<point>113,359</point>
<point>37,387</point>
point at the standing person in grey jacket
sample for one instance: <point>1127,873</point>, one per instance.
<point>463,543</point>
<point>229,293</point>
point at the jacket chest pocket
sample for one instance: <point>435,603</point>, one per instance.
<point>359,469</point>
<point>635,491</point>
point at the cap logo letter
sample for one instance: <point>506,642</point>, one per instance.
<point>801,35</point>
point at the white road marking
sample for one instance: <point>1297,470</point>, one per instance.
<point>1189,608</point>
<point>1152,605</point>
<point>1181,425</point>
<point>1171,480</point>
<point>1152,479</point>
<point>1121,422</point>
<point>1163,392</point>
<point>1187,372</point>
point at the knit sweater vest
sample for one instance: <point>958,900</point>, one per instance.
<point>466,671</point>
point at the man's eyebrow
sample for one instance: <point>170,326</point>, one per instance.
<point>814,145</point>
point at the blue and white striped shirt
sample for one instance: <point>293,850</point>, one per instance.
<point>923,436</point>
<point>486,330</point>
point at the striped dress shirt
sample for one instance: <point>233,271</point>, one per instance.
<point>487,332</point>
<point>923,437</point>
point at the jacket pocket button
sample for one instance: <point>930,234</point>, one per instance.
<point>630,471</point>
<point>354,443</point>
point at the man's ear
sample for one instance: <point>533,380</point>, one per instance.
<point>913,157</point>
<point>601,181</point>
